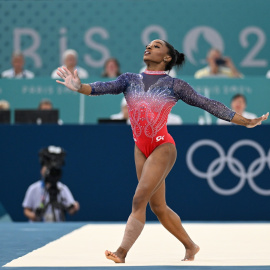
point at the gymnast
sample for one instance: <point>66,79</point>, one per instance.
<point>150,97</point>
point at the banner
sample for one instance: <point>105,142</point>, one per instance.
<point>43,30</point>
<point>76,108</point>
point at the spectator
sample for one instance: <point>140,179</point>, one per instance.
<point>4,105</point>
<point>111,68</point>
<point>48,199</point>
<point>238,104</point>
<point>172,72</point>
<point>124,112</point>
<point>219,66</point>
<point>173,119</point>
<point>17,71</point>
<point>268,74</point>
<point>70,59</point>
<point>45,104</point>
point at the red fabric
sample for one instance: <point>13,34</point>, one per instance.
<point>148,145</point>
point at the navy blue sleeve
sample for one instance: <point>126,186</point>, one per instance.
<point>112,87</point>
<point>186,93</point>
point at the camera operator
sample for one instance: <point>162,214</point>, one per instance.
<point>219,66</point>
<point>48,199</point>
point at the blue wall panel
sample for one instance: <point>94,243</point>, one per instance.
<point>100,170</point>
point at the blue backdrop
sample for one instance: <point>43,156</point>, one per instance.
<point>100,170</point>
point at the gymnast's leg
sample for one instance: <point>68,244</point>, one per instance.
<point>153,171</point>
<point>172,222</point>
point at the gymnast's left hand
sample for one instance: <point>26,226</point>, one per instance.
<point>257,121</point>
<point>71,81</point>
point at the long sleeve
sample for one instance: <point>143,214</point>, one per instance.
<point>112,87</point>
<point>186,93</point>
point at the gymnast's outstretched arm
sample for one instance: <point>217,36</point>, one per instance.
<point>73,82</point>
<point>186,93</point>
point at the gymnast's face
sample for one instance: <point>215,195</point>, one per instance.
<point>156,52</point>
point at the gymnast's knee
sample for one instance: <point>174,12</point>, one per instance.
<point>158,209</point>
<point>139,202</point>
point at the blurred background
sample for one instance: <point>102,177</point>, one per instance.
<point>222,171</point>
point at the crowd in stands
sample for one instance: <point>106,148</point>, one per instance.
<point>219,66</point>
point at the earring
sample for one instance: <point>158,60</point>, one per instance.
<point>164,60</point>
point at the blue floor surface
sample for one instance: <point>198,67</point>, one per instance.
<point>18,239</point>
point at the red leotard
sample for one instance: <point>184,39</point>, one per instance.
<point>150,97</point>
<point>148,145</point>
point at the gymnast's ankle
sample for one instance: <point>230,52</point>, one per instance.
<point>122,253</point>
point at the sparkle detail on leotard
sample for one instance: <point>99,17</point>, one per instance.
<point>149,108</point>
<point>152,72</point>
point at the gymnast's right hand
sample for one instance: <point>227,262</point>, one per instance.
<point>71,81</point>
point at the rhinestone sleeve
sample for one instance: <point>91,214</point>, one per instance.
<point>186,93</point>
<point>112,87</point>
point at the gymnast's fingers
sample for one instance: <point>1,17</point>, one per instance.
<point>67,72</point>
<point>60,82</point>
<point>76,74</point>
<point>62,72</point>
<point>60,75</point>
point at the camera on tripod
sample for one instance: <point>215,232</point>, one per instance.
<point>53,158</point>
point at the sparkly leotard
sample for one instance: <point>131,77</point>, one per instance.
<point>150,97</point>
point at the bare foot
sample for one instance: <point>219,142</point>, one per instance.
<point>114,257</point>
<point>190,253</point>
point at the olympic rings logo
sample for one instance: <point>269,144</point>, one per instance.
<point>235,166</point>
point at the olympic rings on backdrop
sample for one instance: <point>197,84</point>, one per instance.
<point>234,165</point>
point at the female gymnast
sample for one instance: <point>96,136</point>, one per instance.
<point>150,97</point>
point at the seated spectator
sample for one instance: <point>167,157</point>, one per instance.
<point>173,119</point>
<point>111,68</point>
<point>238,104</point>
<point>70,58</point>
<point>172,73</point>
<point>124,112</point>
<point>17,71</point>
<point>268,74</point>
<point>45,104</point>
<point>48,199</point>
<point>4,105</point>
<point>218,67</point>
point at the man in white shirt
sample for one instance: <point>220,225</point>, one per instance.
<point>238,104</point>
<point>124,111</point>
<point>218,67</point>
<point>48,199</point>
<point>17,71</point>
<point>70,59</point>
<point>173,119</point>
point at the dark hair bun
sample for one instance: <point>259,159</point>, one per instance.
<point>180,59</point>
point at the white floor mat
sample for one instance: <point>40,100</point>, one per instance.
<point>221,245</point>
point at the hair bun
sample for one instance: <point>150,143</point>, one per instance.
<point>180,58</point>
<point>177,58</point>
